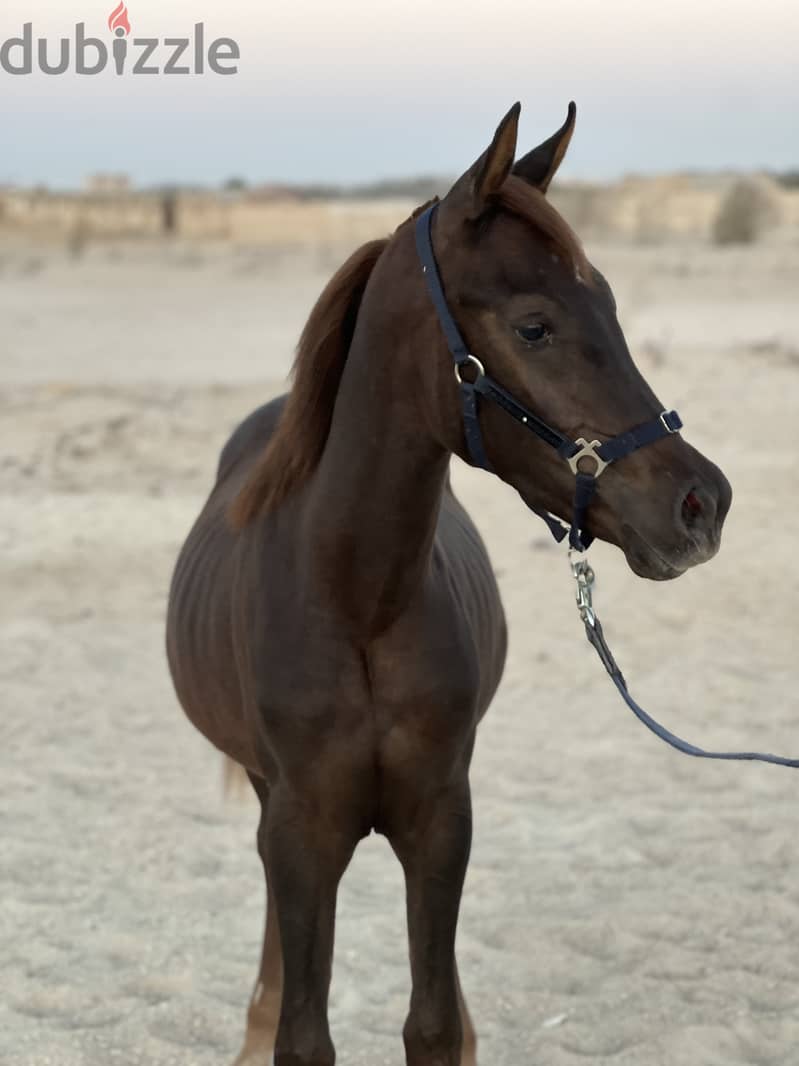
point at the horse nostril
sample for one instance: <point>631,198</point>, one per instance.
<point>691,508</point>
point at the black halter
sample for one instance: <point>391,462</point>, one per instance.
<point>603,453</point>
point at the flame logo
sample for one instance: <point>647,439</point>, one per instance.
<point>118,19</point>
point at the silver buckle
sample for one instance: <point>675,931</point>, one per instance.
<point>663,415</point>
<point>587,451</point>
<point>481,370</point>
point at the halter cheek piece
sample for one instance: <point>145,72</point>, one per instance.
<point>603,453</point>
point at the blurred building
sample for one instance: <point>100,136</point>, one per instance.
<point>108,183</point>
<point>680,207</point>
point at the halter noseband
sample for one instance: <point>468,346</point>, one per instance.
<point>603,453</point>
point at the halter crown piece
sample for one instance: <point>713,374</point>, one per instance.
<point>603,453</point>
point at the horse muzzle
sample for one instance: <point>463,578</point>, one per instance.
<point>689,533</point>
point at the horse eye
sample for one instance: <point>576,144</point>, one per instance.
<point>535,333</point>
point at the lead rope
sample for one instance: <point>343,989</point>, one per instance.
<point>584,576</point>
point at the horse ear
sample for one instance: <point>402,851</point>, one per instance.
<point>484,177</point>
<point>539,166</point>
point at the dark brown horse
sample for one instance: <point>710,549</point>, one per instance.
<point>334,622</point>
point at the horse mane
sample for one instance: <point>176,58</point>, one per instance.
<point>299,439</point>
<point>525,200</point>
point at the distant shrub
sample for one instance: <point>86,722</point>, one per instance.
<point>746,211</point>
<point>789,179</point>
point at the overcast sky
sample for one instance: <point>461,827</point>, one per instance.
<point>349,91</point>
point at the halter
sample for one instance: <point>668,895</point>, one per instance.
<point>603,453</point>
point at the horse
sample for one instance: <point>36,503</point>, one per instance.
<point>334,625</point>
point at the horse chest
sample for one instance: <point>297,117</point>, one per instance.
<point>414,691</point>
<point>425,680</point>
<point>425,665</point>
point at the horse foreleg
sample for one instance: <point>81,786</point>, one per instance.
<point>306,856</point>
<point>434,854</point>
<point>263,1015</point>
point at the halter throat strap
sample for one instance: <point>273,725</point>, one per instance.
<point>480,384</point>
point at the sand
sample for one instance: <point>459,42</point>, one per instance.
<point>625,905</point>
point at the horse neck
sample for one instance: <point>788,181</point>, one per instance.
<point>377,491</point>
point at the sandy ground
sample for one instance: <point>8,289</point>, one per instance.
<point>625,905</point>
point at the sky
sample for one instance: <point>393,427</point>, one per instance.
<point>352,91</point>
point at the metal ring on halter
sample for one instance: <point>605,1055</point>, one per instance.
<point>481,370</point>
<point>587,451</point>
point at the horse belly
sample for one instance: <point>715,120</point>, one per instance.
<point>200,648</point>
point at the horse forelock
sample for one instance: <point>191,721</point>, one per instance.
<point>521,198</point>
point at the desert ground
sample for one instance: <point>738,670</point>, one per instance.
<point>625,905</point>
